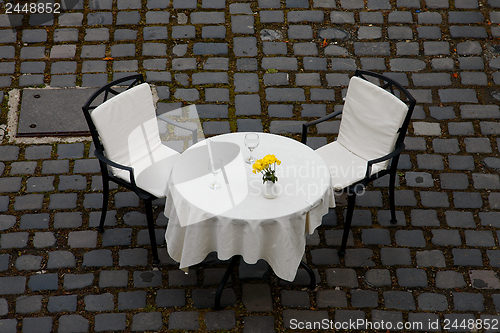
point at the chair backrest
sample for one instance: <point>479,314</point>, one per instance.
<point>373,119</point>
<point>125,125</point>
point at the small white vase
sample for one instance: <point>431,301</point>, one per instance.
<point>270,190</point>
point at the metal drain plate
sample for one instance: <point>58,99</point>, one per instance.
<point>53,112</point>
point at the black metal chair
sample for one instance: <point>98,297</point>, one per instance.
<point>372,130</point>
<point>124,129</point>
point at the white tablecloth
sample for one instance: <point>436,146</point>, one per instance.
<point>238,219</point>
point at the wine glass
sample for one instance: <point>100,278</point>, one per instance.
<point>214,166</point>
<point>251,141</point>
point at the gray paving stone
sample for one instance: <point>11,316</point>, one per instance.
<point>82,239</point>
<point>67,220</point>
<point>12,285</point>
<point>461,162</point>
<point>133,257</point>
<point>183,320</point>
<point>460,219</point>
<point>489,218</point>
<point>434,199</point>
<point>14,240</point>
<point>484,279</point>
<point>73,323</point>
<point>467,200</point>
<point>378,277</point>
<point>28,202</point>
<point>295,298</point>
<point>479,111</point>
<point>433,258</point>
<point>205,298</point>
<point>124,18</point>
<point>149,321</point>
<point>11,184</point>
<point>446,237</point>
<point>37,324</point>
<point>28,262</point>
<point>412,143</point>
<point>395,256</point>
<point>113,278</point>
<point>35,221</point>
<point>65,303</point>
<point>400,300</point>
<point>449,280</point>
<point>216,127</point>
<point>78,281</point>
<point>118,236</point>
<point>147,279</point>
<point>126,199</point>
<point>373,63</point>
<point>29,304</point>
<point>375,236</point>
<point>132,300</point>
<point>419,179</point>
<point>4,307</point>
<point>170,298</point>
<point>364,298</point>
<point>110,322</point>
<point>421,217</point>
<point>41,282</point>
<point>411,238</point>
<point>341,277</point>
<point>404,65</point>
<point>97,258</point>
<point>485,181</point>
<point>254,324</point>
<point>479,238</point>
<point>467,257</point>
<point>61,259</point>
<point>432,302</point>
<point>221,48</point>
<point>468,301</point>
<point>103,302</point>
<point>4,261</point>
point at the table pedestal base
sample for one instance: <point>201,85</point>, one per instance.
<point>235,260</point>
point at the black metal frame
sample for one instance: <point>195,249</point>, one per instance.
<point>353,189</point>
<point>109,91</point>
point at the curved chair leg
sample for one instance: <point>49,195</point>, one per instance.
<point>218,294</point>
<point>151,227</point>
<point>351,200</point>
<point>312,277</point>
<point>392,181</point>
<point>105,199</point>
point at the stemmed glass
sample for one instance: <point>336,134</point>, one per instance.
<point>251,141</point>
<point>214,166</point>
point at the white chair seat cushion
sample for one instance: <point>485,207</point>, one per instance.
<point>152,176</point>
<point>345,167</point>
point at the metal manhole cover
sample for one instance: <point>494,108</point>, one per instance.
<point>53,112</point>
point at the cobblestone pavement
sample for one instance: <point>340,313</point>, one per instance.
<point>264,65</point>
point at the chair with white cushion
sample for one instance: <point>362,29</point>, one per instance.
<point>125,132</point>
<point>370,140</point>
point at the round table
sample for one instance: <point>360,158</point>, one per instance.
<point>237,219</point>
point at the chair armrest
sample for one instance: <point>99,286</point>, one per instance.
<point>194,131</point>
<point>399,149</point>
<point>305,127</point>
<point>104,159</point>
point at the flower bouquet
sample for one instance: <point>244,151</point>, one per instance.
<point>267,167</point>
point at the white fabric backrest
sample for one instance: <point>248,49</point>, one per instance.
<point>128,127</point>
<point>370,120</point>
